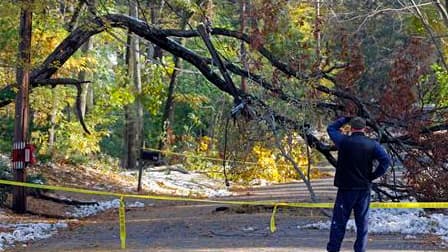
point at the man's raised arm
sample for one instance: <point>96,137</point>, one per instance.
<point>334,130</point>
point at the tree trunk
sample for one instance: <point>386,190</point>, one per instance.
<point>317,35</point>
<point>83,76</point>
<point>90,98</point>
<point>134,112</point>
<point>87,91</point>
<point>52,129</point>
<point>169,104</point>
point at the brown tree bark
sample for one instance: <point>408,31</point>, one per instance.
<point>169,103</point>
<point>52,129</point>
<point>133,112</point>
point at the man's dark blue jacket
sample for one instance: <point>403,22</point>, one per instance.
<point>354,169</point>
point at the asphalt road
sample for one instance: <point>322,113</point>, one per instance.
<point>179,226</point>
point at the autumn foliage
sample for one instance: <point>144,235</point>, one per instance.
<point>403,103</point>
<point>401,94</point>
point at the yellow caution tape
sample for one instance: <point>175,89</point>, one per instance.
<point>272,224</point>
<point>122,220</point>
<point>58,188</point>
<point>122,196</point>
<point>158,197</point>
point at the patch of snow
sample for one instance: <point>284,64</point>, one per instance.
<point>248,229</point>
<point>89,210</point>
<point>136,204</point>
<point>410,237</point>
<point>219,193</point>
<point>259,182</point>
<point>6,160</point>
<point>37,181</point>
<point>181,184</point>
<point>25,232</point>
<point>409,222</point>
<point>441,221</point>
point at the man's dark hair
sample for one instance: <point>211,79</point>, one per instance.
<point>358,123</point>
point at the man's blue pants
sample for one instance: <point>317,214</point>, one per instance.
<point>346,201</point>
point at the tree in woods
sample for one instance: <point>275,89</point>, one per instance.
<point>133,112</point>
<point>305,62</point>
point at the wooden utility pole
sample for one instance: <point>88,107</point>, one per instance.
<point>21,122</point>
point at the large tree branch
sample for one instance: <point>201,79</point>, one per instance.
<point>363,111</point>
<point>278,92</point>
<point>215,56</point>
<point>97,25</point>
<point>285,68</point>
<point>159,37</point>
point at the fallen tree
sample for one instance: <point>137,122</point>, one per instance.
<point>415,142</point>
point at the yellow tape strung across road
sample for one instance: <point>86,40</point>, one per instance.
<point>158,197</point>
<point>122,197</point>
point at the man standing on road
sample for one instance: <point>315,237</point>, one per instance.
<point>353,178</point>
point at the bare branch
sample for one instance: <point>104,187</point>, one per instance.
<point>278,92</point>
<point>59,81</point>
<point>430,33</point>
<point>244,37</point>
<point>75,16</point>
<point>68,81</point>
<point>78,108</point>
<point>442,11</point>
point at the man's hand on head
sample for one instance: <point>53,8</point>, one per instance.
<point>347,118</point>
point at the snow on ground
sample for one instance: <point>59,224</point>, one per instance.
<point>25,232</point>
<point>409,222</point>
<point>180,184</point>
<point>259,182</point>
<point>5,159</point>
<point>89,210</point>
